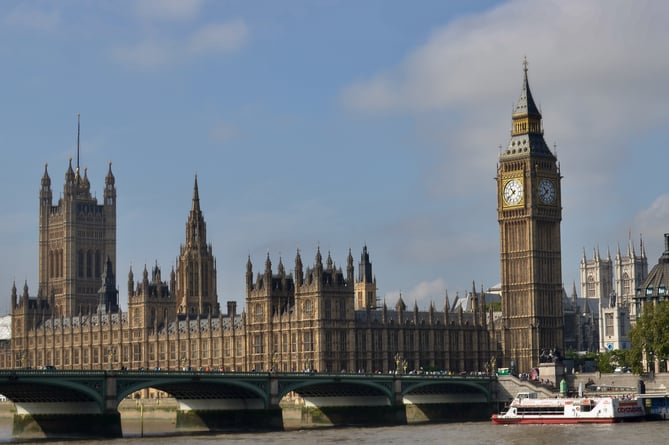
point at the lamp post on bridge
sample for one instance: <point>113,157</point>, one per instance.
<point>20,357</point>
<point>110,356</point>
<point>275,357</point>
<point>400,364</point>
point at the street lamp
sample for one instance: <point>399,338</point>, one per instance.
<point>21,356</point>
<point>275,357</point>
<point>110,356</point>
<point>398,361</point>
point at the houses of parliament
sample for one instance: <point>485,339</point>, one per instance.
<point>319,317</point>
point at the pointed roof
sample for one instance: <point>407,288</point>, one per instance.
<point>400,305</point>
<point>527,138</point>
<point>526,105</point>
<point>656,283</point>
<point>268,264</point>
<point>69,173</point>
<point>46,180</point>
<point>365,267</point>
<point>196,197</point>
<point>109,179</point>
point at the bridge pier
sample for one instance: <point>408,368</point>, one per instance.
<point>225,420</point>
<point>52,425</point>
<point>447,412</point>
<point>327,416</point>
<point>227,415</point>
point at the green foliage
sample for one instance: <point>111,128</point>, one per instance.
<point>651,332</point>
<point>496,306</point>
<point>603,361</point>
<point>580,359</point>
<point>610,360</point>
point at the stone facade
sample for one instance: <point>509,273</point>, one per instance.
<point>529,214</point>
<point>611,284</point>
<point>319,318</point>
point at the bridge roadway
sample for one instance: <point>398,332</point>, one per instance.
<point>55,403</point>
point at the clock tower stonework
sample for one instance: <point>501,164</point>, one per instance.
<point>529,213</point>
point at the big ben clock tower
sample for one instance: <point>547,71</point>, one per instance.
<point>529,214</point>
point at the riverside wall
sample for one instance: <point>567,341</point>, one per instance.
<point>618,383</point>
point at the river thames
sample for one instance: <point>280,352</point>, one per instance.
<point>482,433</point>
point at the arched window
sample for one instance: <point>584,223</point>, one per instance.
<point>98,264</point>
<point>80,266</point>
<point>590,287</point>
<point>308,308</point>
<point>89,264</point>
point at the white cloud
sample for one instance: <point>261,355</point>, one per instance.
<point>218,37</point>
<point>168,10</point>
<point>658,211</point>
<point>653,221</point>
<point>214,38</point>
<point>596,70</point>
<point>594,47</point>
<point>422,294</point>
<point>597,67</point>
<point>33,18</point>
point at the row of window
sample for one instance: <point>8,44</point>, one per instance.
<point>661,290</point>
<point>101,354</point>
<point>308,310</point>
<point>89,264</point>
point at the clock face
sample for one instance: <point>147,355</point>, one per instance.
<point>513,192</point>
<point>546,191</point>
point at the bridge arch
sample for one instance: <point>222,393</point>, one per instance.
<point>41,387</point>
<point>333,385</point>
<point>188,386</point>
<point>462,386</point>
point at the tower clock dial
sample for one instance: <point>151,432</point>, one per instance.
<point>546,191</point>
<point>513,192</point>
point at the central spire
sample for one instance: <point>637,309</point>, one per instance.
<point>196,197</point>
<point>196,233</point>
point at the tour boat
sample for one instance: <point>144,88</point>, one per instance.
<point>527,407</point>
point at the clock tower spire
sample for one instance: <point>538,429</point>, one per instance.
<point>529,213</point>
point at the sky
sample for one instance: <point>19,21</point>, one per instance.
<point>332,124</point>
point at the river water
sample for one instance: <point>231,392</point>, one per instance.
<point>480,433</point>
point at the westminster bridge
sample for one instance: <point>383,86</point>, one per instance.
<point>55,403</point>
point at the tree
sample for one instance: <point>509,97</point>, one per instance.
<point>609,360</point>
<point>651,333</point>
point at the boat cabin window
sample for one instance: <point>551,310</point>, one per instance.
<point>586,406</point>
<point>527,395</point>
